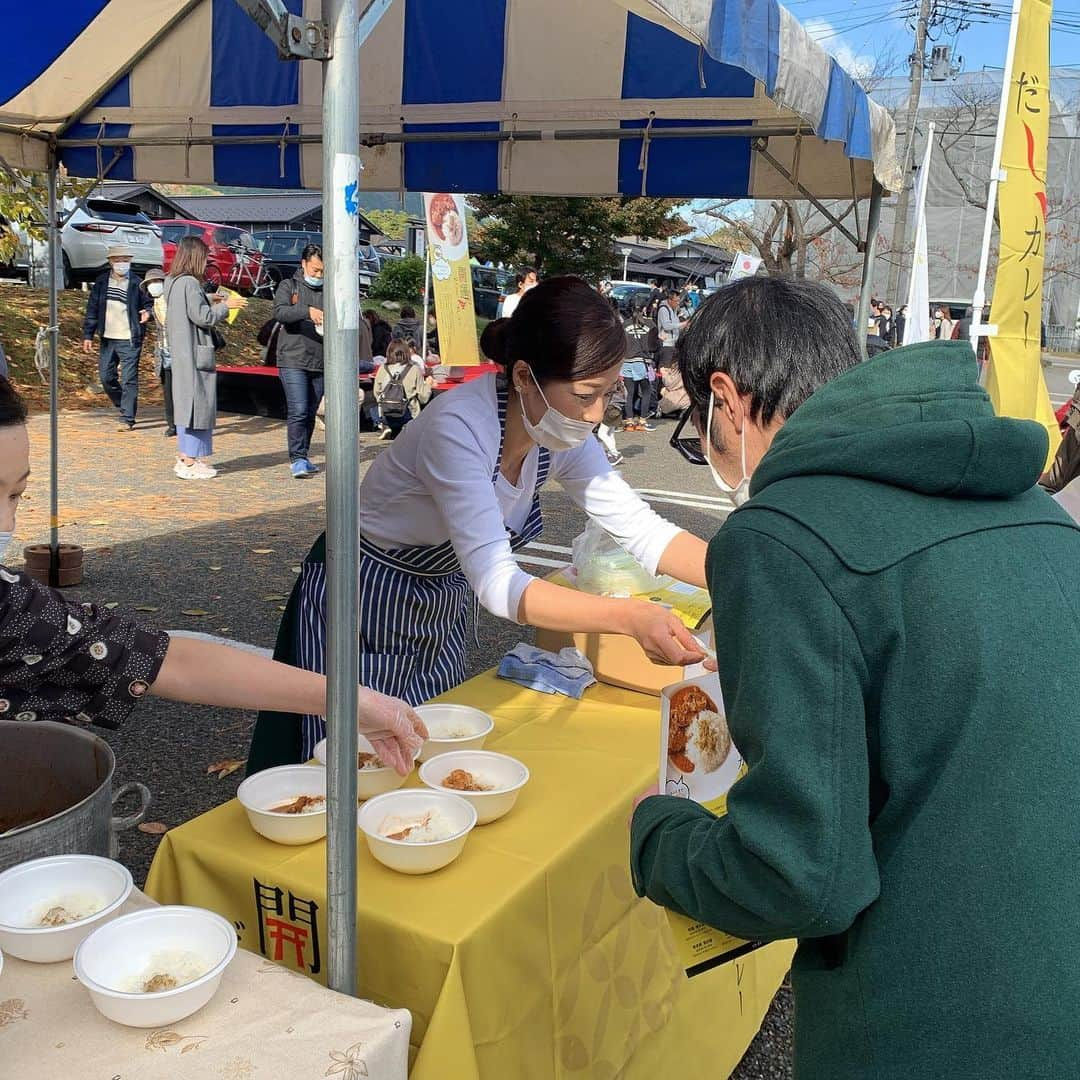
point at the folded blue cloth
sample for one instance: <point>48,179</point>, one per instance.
<point>566,672</point>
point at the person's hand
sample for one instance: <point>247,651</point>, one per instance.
<point>654,790</point>
<point>430,380</point>
<point>87,347</point>
<point>315,315</point>
<point>235,302</point>
<point>392,727</point>
<point>663,636</point>
<point>144,316</point>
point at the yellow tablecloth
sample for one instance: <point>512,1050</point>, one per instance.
<point>529,956</point>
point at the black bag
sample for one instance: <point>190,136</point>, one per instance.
<point>218,338</point>
<point>267,337</point>
<point>393,399</point>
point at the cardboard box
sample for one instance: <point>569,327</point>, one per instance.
<point>619,660</point>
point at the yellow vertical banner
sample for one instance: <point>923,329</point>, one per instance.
<point>1015,378</point>
<point>451,278</point>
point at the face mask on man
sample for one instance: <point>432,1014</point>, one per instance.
<point>156,288</point>
<point>554,431</point>
<point>740,493</point>
<point>313,282</point>
<point>121,269</point>
<point>5,543</point>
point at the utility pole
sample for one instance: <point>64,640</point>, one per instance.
<point>918,64</point>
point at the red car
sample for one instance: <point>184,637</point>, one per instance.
<point>235,260</point>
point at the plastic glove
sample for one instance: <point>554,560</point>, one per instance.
<point>394,730</point>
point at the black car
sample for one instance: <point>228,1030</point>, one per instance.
<point>490,287</point>
<point>281,251</point>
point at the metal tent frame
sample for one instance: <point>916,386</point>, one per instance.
<point>333,43</point>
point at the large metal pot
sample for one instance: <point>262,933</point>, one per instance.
<point>56,797</point>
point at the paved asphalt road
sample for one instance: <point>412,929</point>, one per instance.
<point>228,548</point>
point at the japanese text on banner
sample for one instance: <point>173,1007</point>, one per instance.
<point>1015,379</point>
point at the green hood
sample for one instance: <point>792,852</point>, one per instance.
<point>913,418</point>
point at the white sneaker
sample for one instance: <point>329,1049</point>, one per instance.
<point>197,470</point>
<point>385,434</point>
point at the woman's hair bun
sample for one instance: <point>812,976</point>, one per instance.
<point>493,341</point>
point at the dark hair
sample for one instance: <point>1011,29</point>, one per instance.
<point>399,352</point>
<point>311,251</point>
<point>522,274</point>
<point>563,329</point>
<point>408,312</point>
<point>778,338</point>
<point>12,407</point>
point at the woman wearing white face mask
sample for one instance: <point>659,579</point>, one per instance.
<point>443,510</point>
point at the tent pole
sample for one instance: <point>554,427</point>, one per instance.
<point>873,218</point>
<point>427,303</point>
<point>54,389</point>
<point>341,304</point>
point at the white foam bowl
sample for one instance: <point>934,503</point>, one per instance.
<point>507,774</point>
<point>369,782</point>
<point>440,716</point>
<point>126,948</point>
<point>272,787</point>
<point>409,858</point>
<point>28,890</point>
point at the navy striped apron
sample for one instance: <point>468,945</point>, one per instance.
<point>415,608</point>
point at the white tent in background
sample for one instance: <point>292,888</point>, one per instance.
<point>917,326</point>
<point>676,98</point>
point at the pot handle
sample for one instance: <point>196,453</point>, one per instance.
<point>145,798</point>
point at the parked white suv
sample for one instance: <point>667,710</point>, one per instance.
<point>95,225</point>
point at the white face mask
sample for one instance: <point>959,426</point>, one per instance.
<point>554,431</point>
<point>156,288</point>
<point>121,269</point>
<point>740,493</point>
<point>5,543</point>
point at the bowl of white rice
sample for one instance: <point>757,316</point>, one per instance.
<point>286,804</point>
<point>416,830</point>
<point>453,727</point>
<point>157,966</point>
<point>48,906</point>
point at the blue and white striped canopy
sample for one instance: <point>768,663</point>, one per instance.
<point>593,90</point>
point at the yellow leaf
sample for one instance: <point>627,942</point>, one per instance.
<point>275,598</point>
<point>262,551</point>
<point>296,569</point>
<point>154,828</point>
<point>214,568</point>
<point>224,768</point>
<point>194,611</point>
<point>113,604</point>
<point>145,607</point>
<point>97,523</point>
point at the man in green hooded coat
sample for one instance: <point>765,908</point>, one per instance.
<point>894,605</point>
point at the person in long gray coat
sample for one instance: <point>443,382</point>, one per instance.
<point>189,320</point>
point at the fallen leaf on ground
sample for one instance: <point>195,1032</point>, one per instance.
<point>113,604</point>
<point>224,768</point>
<point>296,569</point>
<point>214,568</point>
<point>262,551</point>
<point>194,611</point>
<point>144,607</point>
<point>283,607</point>
<point>275,598</point>
<point>224,629</point>
<point>97,523</point>
<point>154,828</point>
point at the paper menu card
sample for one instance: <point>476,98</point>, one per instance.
<point>699,761</point>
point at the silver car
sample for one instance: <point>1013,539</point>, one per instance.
<point>95,225</point>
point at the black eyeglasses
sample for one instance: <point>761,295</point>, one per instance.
<point>689,446</point>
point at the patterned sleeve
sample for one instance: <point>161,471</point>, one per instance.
<point>60,660</point>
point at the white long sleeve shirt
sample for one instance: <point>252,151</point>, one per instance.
<point>434,484</point>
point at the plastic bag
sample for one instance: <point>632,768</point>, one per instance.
<point>605,568</point>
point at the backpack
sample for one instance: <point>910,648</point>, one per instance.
<point>652,339</point>
<point>393,399</point>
